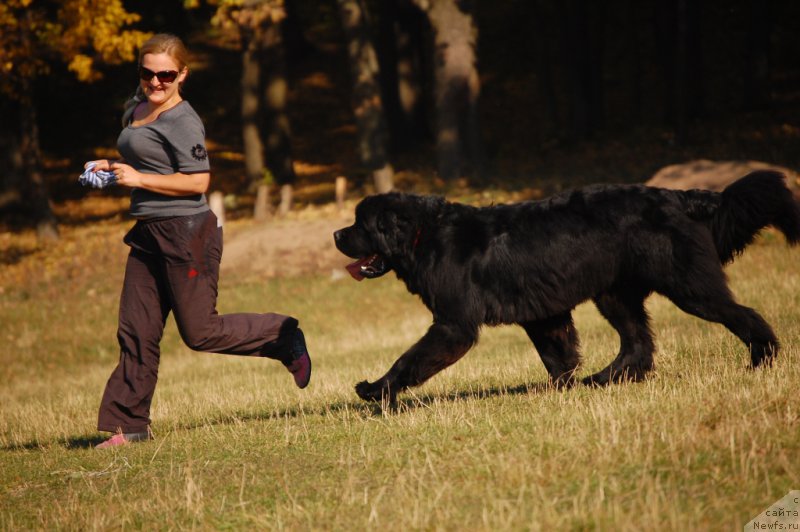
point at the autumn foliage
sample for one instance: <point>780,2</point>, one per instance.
<point>83,34</point>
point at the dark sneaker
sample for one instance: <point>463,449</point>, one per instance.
<point>300,366</point>
<point>124,439</point>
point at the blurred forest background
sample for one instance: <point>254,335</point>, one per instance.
<point>422,95</point>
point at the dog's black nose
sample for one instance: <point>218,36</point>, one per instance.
<point>337,235</point>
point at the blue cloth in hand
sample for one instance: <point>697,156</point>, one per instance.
<point>99,179</point>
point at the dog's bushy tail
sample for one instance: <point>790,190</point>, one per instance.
<point>757,200</point>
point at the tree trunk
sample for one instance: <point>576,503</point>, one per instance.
<point>216,202</point>
<point>37,194</point>
<point>389,37</point>
<point>366,95</point>
<point>251,137</point>
<point>457,88</point>
<point>262,210</point>
<point>10,155</point>
<point>287,197</point>
<point>266,131</point>
<point>403,33</point>
<point>276,134</point>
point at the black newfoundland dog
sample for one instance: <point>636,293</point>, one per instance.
<point>532,263</point>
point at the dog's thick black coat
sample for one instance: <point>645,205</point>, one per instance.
<point>532,263</point>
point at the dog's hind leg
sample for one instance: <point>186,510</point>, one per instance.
<point>556,340</point>
<point>626,313</point>
<point>443,345</point>
<point>711,300</point>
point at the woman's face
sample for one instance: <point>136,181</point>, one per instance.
<point>162,91</point>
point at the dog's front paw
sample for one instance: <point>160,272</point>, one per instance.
<point>629,373</point>
<point>597,380</point>
<point>369,391</point>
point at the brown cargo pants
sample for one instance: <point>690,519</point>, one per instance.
<point>173,266</point>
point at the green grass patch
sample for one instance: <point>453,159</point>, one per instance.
<point>704,443</point>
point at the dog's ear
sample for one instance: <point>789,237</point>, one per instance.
<point>394,230</point>
<point>393,222</point>
<point>400,218</point>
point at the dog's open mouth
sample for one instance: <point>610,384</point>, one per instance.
<point>368,267</point>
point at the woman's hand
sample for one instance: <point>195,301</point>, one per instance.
<point>126,175</point>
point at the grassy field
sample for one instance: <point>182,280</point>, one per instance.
<point>703,444</point>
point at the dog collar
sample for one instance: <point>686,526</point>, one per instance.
<point>416,239</point>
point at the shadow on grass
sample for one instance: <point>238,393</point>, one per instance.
<point>403,405</point>
<point>75,442</point>
<point>410,403</point>
<point>14,255</point>
<point>82,442</point>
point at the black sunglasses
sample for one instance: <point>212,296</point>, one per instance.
<point>165,76</point>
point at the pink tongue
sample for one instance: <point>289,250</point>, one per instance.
<point>354,269</point>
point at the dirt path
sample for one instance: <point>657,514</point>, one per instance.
<point>283,248</point>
